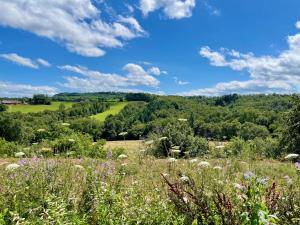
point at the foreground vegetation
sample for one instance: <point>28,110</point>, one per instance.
<point>139,189</point>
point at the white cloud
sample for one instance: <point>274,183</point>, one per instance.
<point>15,58</point>
<point>43,62</point>
<point>174,9</point>
<point>98,81</point>
<point>268,74</point>
<point>298,24</point>
<point>154,70</point>
<point>180,82</point>
<point>8,89</point>
<point>76,24</point>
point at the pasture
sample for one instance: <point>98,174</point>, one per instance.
<point>38,108</point>
<point>114,109</point>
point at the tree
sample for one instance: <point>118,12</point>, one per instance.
<point>40,99</point>
<point>3,108</point>
<point>290,141</point>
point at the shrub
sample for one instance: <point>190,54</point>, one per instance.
<point>8,149</point>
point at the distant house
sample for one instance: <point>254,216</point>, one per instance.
<point>10,102</point>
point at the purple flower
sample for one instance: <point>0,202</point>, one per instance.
<point>263,180</point>
<point>297,165</point>
<point>22,162</point>
<point>248,175</point>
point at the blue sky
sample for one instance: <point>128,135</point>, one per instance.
<point>191,47</point>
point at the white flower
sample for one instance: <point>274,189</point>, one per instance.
<point>220,146</point>
<point>171,160</point>
<point>65,124</point>
<point>175,151</point>
<point>163,138</point>
<point>182,119</point>
<point>122,156</point>
<point>165,174</point>
<point>80,167</point>
<point>204,164</point>
<point>71,140</point>
<point>150,142</point>
<point>124,164</point>
<point>123,133</point>
<point>239,186</point>
<point>292,156</point>
<point>185,199</point>
<point>41,130</point>
<point>184,179</point>
<point>218,168</point>
<point>12,166</point>
<point>194,160</point>
<point>19,154</point>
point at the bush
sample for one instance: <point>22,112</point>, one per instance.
<point>250,131</point>
<point>8,149</point>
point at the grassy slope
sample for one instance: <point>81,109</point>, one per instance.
<point>114,109</point>
<point>37,108</point>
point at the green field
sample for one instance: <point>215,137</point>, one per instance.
<point>115,108</point>
<point>37,108</point>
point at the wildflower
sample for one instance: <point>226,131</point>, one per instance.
<point>79,167</point>
<point>165,174</point>
<point>142,150</point>
<point>218,168</point>
<point>220,147</point>
<point>185,199</point>
<point>124,164</point>
<point>172,160</point>
<point>22,162</point>
<point>123,133</point>
<point>40,130</point>
<point>150,142</point>
<point>248,175</point>
<point>288,180</point>
<point>239,186</point>
<point>204,164</point>
<point>71,140</point>
<point>291,156</point>
<point>184,179</point>
<point>182,119</point>
<point>122,156</point>
<point>175,151</point>
<point>297,165</point>
<point>163,138</point>
<point>19,154</point>
<point>263,180</point>
<point>65,124</point>
<point>12,166</point>
<point>194,160</point>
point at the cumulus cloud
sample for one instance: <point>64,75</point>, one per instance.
<point>22,61</point>
<point>268,74</point>
<point>154,70</point>
<point>298,25</point>
<point>173,9</point>
<point>43,62</point>
<point>8,89</point>
<point>77,24</point>
<point>91,80</point>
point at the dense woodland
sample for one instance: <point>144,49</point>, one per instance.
<point>186,122</point>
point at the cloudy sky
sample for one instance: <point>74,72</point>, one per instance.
<point>185,47</point>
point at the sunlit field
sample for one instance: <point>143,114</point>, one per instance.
<point>114,109</point>
<point>38,108</point>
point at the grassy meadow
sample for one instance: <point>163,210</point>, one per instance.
<point>135,188</point>
<point>114,109</point>
<point>38,108</point>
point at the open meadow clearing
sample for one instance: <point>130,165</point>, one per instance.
<point>114,109</point>
<point>38,108</point>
